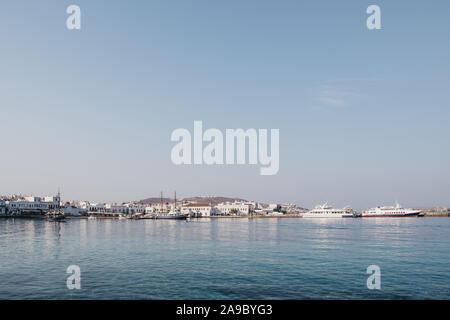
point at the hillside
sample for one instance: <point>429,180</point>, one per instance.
<point>212,200</point>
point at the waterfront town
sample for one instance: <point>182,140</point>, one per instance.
<point>34,206</point>
<point>29,206</point>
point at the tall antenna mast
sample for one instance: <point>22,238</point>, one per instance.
<point>59,199</point>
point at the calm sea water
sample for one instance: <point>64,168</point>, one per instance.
<point>226,258</point>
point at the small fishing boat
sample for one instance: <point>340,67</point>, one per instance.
<point>56,217</point>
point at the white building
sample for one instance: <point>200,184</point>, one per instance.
<point>82,204</point>
<point>71,209</point>
<point>33,205</point>
<point>134,208</point>
<point>96,208</point>
<point>2,207</point>
<point>198,209</point>
<point>162,207</point>
<point>235,208</point>
<point>274,207</point>
<point>149,210</point>
<point>118,209</point>
<point>291,209</point>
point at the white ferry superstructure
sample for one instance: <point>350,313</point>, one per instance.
<point>392,211</point>
<point>326,211</point>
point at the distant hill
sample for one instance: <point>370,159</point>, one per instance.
<point>154,200</point>
<point>212,200</point>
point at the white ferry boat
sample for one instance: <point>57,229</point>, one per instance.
<point>395,211</point>
<point>326,211</point>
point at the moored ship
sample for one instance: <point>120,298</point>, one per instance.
<point>391,211</point>
<point>326,211</point>
<point>174,214</point>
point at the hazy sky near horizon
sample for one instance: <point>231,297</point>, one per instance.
<point>363,115</point>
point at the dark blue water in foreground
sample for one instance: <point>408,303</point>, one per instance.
<point>226,258</point>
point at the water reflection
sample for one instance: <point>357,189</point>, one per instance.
<point>28,234</point>
<point>223,258</point>
<point>108,226</point>
<point>81,225</point>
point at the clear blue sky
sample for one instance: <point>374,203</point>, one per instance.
<point>363,115</point>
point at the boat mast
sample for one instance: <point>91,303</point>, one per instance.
<point>59,201</point>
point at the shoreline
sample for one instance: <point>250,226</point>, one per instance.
<point>285,216</point>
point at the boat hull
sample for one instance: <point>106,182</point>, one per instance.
<point>56,219</point>
<point>393,215</point>
<point>318,215</point>
<point>170,217</point>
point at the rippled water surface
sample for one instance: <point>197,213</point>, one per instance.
<point>226,258</point>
